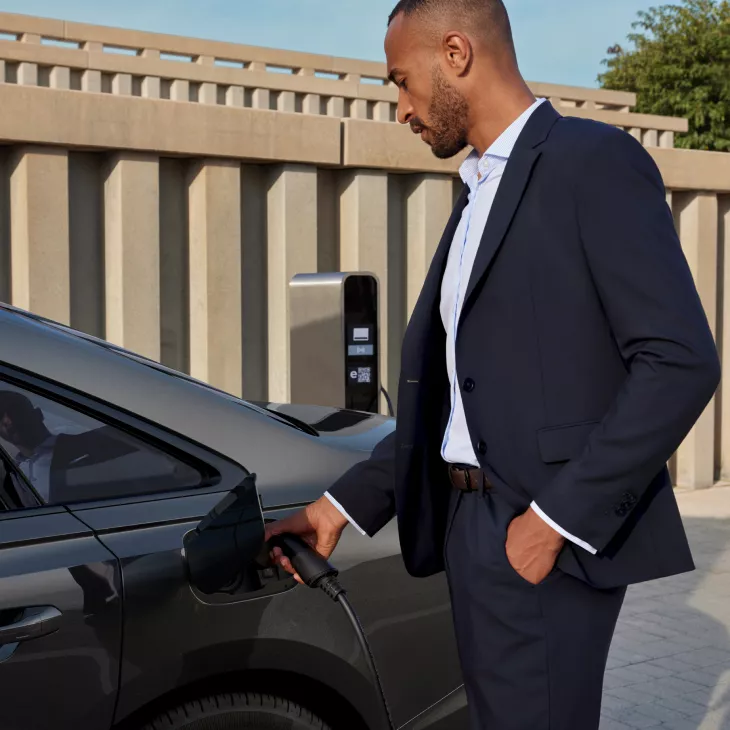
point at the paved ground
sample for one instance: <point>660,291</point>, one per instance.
<point>670,662</point>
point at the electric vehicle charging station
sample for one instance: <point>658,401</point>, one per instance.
<point>334,340</point>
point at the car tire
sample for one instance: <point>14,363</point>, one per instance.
<point>238,711</point>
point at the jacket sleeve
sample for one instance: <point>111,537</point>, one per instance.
<point>366,493</point>
<point>654,311</point>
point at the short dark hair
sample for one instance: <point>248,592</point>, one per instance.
<point>14,404</point>
<point>489,15</point>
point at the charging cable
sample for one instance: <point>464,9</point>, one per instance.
<point>316,572</point>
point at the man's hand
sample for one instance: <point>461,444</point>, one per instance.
<point>533,546</point>
<point>320,525</point>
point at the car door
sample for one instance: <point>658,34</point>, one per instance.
<point>129,491</point>
<point>60,616</point>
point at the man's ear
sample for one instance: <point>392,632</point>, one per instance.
<point>458,52</point>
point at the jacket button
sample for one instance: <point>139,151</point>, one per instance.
<point>482,448</point>
<point>469,385</point>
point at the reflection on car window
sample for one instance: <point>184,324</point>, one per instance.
<point>68,456</point>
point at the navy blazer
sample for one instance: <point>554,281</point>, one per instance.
<point>591,354</point>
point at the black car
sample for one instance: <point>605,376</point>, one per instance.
<point>109,463</point>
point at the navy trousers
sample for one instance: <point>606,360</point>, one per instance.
<point>533,657</point>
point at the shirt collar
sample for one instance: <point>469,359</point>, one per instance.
<point>500,149</point>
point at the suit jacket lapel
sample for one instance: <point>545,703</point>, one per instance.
<point>511,188</point>
<point>516,176</point>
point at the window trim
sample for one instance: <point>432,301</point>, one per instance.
<point>219,471</point>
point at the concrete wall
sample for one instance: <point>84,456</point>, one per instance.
<point>173,227</point>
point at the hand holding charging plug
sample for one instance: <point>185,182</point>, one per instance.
<point>320,525</point>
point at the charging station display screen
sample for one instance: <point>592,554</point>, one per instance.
<point>361,330</point>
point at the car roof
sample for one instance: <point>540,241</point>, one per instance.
<point>127,380</point>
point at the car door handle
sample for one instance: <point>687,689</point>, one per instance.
<point>34,623</point>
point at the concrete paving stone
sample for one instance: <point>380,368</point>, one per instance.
<point>671,687</point>
<point>608,724</point>
<point>673,664</point>
<point>715,721</point>
<point>709,677</point>
<point>636,693</point>
<point>660,712</point>
<point>636,719</point>
<point>707,657</point>
<point>680,724</point>
<point>664,648</point>
<point>683,705</point>
<point>612,706</point>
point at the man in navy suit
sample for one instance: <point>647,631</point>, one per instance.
<point>556,358</point>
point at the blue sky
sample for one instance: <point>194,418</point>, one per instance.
<point>558,41</point>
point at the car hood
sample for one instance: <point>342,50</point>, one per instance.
<point>339,427</point>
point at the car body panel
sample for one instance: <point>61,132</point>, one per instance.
<point>175,637</point>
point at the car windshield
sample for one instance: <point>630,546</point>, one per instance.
<point>288,420</point>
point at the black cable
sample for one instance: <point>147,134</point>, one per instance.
<point>388,401</point>
<point>316,572</point>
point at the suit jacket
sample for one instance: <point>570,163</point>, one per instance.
<point>591,354</point>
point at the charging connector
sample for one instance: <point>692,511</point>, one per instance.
<point>316,572</point>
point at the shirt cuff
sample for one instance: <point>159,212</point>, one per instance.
<point>343,512</point>
<point>565,534</point>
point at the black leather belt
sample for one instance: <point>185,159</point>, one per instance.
<point>467,478</point>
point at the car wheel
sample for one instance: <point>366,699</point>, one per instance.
<point>238,711</point>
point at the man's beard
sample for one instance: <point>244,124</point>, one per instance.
<point>448,115</point>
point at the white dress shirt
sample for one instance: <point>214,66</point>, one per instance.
<point>483,176</point>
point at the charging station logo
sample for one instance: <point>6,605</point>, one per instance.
<point>361,375</point>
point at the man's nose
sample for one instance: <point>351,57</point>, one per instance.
<point>404,112</point>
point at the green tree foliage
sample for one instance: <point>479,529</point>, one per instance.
<point>679,66</point>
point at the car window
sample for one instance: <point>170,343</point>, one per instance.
<point>68,456</point>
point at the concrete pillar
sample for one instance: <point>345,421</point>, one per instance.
<point>698,228</point>
<point>651,138</point>
<point>666,140</point>
<point>382,111</point>
<point>208,94</point>
<point>91,81</point>
<point>292,249</point>
<point>151,87</point>
<point>122,85</point>
<point>428,207</point>
<point>336,107</point>
<point>234,96</point>
<point>364,241</point>
<point>39,232</point>
<point>2,72</point>
<point>180,90</point>
<point>214,206</point>
<point>312,104</point>
<point>724,399</point>
<point>28,74</point>
<point>132,253</point>
<point>636,133</point>
<point>60,77</point>
<point>359,109</point>
<point>261,99</point>
<point>286,102</point>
